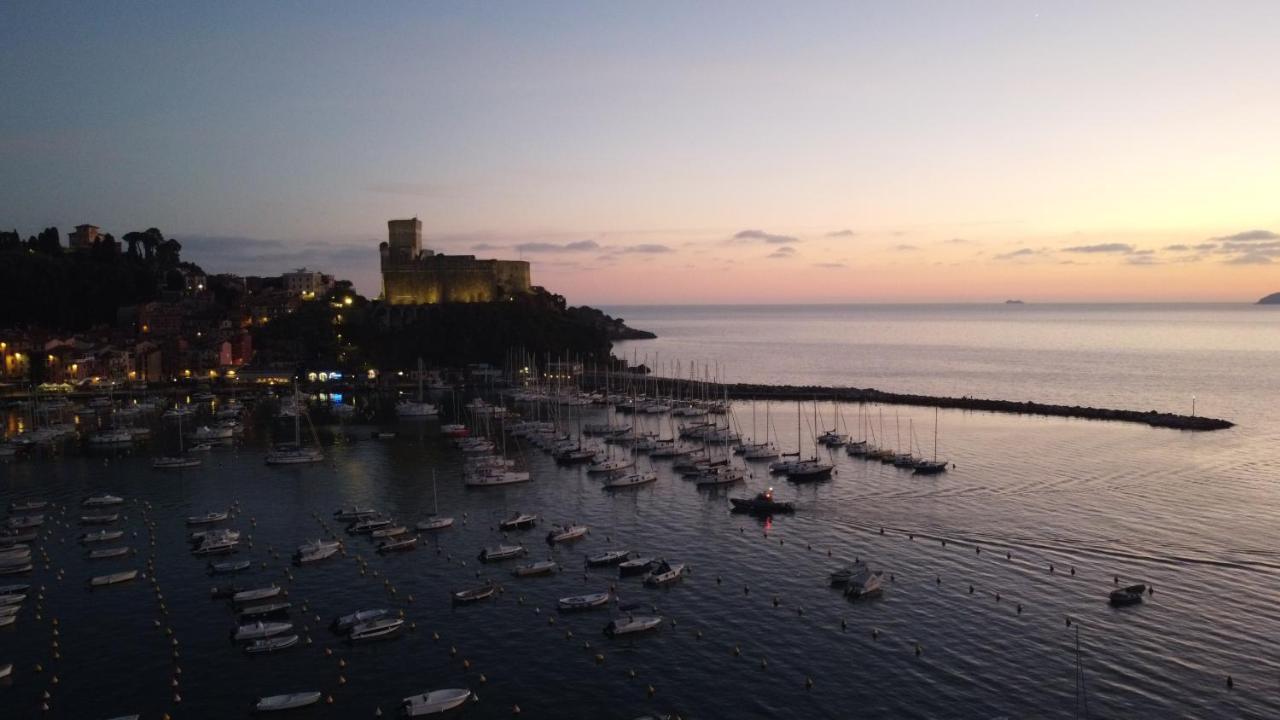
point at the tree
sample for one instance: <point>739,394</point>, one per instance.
<point>169,253</point>
<point>49,241</point>
<point>135,239</point>
<point>151,241</point>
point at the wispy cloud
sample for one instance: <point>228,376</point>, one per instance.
<point>1019,253</point>
<point>1250,259</point>
<point>905,248</point>
<point>782,252</point>
<point>1248,236</point>
<point>546,247</point>
<point>831,265</point>
<point>840,233</point>
<point>1177,248</point>
<point>487,246</point>
<point>762,236</point>
<point>1144,259</point>
<point>1123,248</point>
<point>644,248</point>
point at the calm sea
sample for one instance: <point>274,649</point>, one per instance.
<point>1031,528</point>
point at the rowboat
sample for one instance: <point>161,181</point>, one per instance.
<point>12,589</point>
<point>354,513</point>
<point>389,546</point>
<point>260,630</point>
<point>434,702</point>
<point>316,553</point>
<point>29,506</point>
<point>1131,595</point>
<point>364,527</point>
<point>344,623</point>
<point>389,532</point>
<point>103,519</point>
<point>663,574</point>
<point>541,567</point>
<point>7,610</point>
<point>287,702</point>
<point>438,523</point>
<point>113,578</point>
<point>632,625</point>
<point>502,552</point>
<point>583,602</point>
<point>376,629</point>
<point>15,569</point>
<point>246,596</point>
<point>566,533</point>
<point>233,566</point>
<point>216,547</point>
<point>103,553</point>
<point>25,522</point>
<point>475,594</point>
<point>272,644</point>
<point>517,521</point>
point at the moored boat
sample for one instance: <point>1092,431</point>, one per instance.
<point>401,545</point>
<point>434,702</point>
<point>1131,595</point>
<point>566,533</point>
<point>434,523</point>
<point>608,557</point>
<point>290,701</point>
<point>583,602</point>
<point>475,594</point>
<point>502,552</point>
<point>101,536</point>
<point>762,504</point>
<point>113,578</point>
<point>632,625</point>
<point>259,630</point>
<point>248,596</point>
<point>518,521</point>
<point>102,501</point>
<point>539,567</point>
<point>233,566</point>
<point>630,481</point>
<point>272,644</point>
<point>376,629</point>
<point>207,519</point>
<point>344,623</point>
<point>102,519</point>
<point>664,574</point>
<point>635,566</point>
<point>103,553</point>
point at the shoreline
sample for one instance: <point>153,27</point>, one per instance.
<point>1152,418</point>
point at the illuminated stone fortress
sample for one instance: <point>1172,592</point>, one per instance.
<point>414,276</point>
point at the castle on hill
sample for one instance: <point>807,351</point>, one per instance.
<point>412,275</point>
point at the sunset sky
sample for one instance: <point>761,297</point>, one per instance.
<point>671,152</point>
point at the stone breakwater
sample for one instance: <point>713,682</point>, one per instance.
<point>870,395</point>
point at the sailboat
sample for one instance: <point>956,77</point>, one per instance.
<point>434,521</point>
<point>294,453</point>
<point>419,408</point>
<point>175,462</point>
<point>934,466</point>
<point>813,468</point>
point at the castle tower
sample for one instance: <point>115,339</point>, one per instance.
<point>405,240</point>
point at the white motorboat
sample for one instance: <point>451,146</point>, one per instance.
<point>518,521</point>
<point>294,455</point>
<point>224,568</point>
<point>260,630</point>
<point>632,625</point>
<point>502,552</point>
<point>272,644</point>
<point>540,567</point>
<point>101,536</point>
<point>246,596</point>
<point>492,478</point>
<point>29,506</point>
<point>103,519</point>
<point>102,501</point>
<point>434,702</point>
<point>104,553</point>
<point>6,670</point>
<point>635,566</point>
<point>25,522</point>
<point>376,629</point>
<point>111,438</point>
<point>12,589</point>
<point>12,599</point>
<point>9,610</point>
<point>631,481</point>
<point>864,585</point>
<point>609,557</point>
<point>566,533</point>
<point>583,602</point>
<point>664,574</point>
<point>474,594</point>
<point>402,545</point>
<point>212,546</point>
<point>216,432</point>
<point>316,553</point>
<point>207,518</point>
<point>274,703</point>
<point>113,578</point>
<point>344,623</point>
<point>365,527</point>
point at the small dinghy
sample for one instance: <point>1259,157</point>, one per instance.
<point>344,623</point>
<point>389,532</point>
<point>101,536</point>
<point>566,533</point>
<point>248,596</point>
<point>275,703</point>
<point>518,521</point>
<point>434,702</point>
<point>207,518</point>
<point>226,568</point>
<point>316,554</point>
<point>270,645</point>
<point>1131,595</point>
<point>114,578</point>
<point>632,625</point>
<point>533,569</point>
<point>12,599</point>
<point>103,519</point>
<point>865,585</point>
<point>26,522</point>
<point>255,612</point>
<point>7,540</point>
<point>842,577</point>
<point>376,629</point>
<point>502,552</point>
<point>609,557</point>
<point>103,553</point>
<point>664,574</point>
<point>8,610</point>
<point>354,513</point>
<point>475,594</point>
<point>583,602</point>
<point>216,547</point>
<point>438,523</point>
<point>260,630</point>
<point>102,501</point>
<point>6,670</point>
<point>635,566</point>
<point>390,546</point>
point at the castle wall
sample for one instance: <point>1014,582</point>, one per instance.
<point>453,279</point>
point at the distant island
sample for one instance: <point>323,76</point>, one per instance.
<point>1272,299</point>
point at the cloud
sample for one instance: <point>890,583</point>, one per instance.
<point>1123,248</point>
<point>782,252</point>
<point>258,256</point>
<point>486,246</point>
<point>829,265</point>
<point>957,241</point>
<point>1177,248</point>
<point>1142,259</point>
<point>644,248</point>
<point>1205,246</point>
<point>1248,236</point>
<point>840,233</point>
<point>1144,252</point>
<point>905,248</point>
<point>546,247</point>
<point>1250,259</point>
<point>767,238</point>
<point>1020,252</point>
